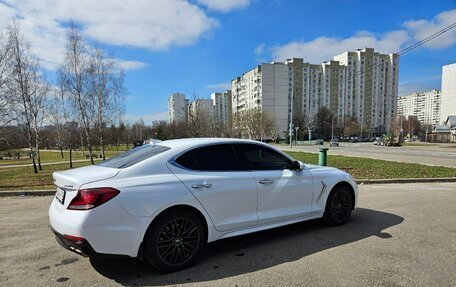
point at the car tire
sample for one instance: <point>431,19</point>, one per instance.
<point>338,206</point>
<point>174,241</point>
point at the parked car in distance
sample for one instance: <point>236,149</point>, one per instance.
<point>334,142</point>
<point>319,142</point>
<point>163,202</point>
<point>379,141</point>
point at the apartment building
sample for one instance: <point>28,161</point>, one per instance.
<point>425,106</point>
<point>448,92</point>
<point>268,88</point>
<point>177,107</point>
<point>201,106</point>
<point>370,88</point>
<point>222,107</point>
<point>363,84</point>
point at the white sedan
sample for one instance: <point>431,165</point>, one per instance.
<point>163,202</point>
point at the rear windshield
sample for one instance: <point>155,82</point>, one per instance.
<point>133,156</point>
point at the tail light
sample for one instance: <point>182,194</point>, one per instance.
<point>92,197</point>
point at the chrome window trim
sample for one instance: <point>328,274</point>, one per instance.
<point>173,162</point>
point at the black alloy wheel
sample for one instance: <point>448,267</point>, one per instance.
<point>174,240</point>
<point>339,206</point>
<point>178,241</point>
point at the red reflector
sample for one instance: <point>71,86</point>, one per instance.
<point>75,239</point>
<point>92,197</point>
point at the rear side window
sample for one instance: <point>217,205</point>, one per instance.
<point>133,156</point>
<point>262,158</point>
<point>210,158</point>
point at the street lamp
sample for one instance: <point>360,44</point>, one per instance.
<point>297,129</point>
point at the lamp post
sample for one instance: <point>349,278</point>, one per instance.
<point>297,129</point>
<point>309,129</point>
<point>291,116</point>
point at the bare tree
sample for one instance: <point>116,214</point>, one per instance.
<point>74,79</point>
<point>106,84</point>
<point>24,89</point>
<point>38,104</point>
<point>5,70</point>
<point>200,119</point>
<point>253,124</point>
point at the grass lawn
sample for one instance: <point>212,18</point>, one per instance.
<point>23,178</point>
<point>53,156</point>
<point>366,168</point>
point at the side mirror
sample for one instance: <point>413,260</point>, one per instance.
<point>296,166</point>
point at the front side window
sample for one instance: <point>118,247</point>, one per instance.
<point>133,156</point>
<point>262,158</point>
<point>210,158</point>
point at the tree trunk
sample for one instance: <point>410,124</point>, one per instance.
<point>61,151</point>
<point>89,145</point>
<point>37,148</point>
<point>102,143</point>
<point>71,158</point>
<point>35,170</point>
<point>82,144</point>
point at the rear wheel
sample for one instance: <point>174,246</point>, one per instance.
<point>174,241</point>
<point>339,206</point>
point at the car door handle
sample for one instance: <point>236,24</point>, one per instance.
<point>202,185</point>
<point>266,181</point>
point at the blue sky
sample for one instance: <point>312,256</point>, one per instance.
<point>198,46</point>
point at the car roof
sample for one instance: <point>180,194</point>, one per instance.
<point>192,142</point>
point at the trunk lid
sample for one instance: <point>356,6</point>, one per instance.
<point>69,181</point>
<point>72,179</point>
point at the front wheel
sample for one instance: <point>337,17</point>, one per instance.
<point>174,241</point>
<point>339,206</point>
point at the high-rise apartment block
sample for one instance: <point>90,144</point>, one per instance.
<point>222,107</point>
<point>363,84</point>
<point>425,106</point>
<point>205,106</point>
<point>267,88</point>
<point>218,107</point>
<point>448,92</point>
<point>177,107</point>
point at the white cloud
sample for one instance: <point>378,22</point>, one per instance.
<point>259,49</point>
<point>325,48</point>
<point>419,85</point>
<point>130,65</point>
<point>219,87</point>
<point>154,25</point>
<point>420,29</point>
<point>224,5</point>
<point>148,119</point>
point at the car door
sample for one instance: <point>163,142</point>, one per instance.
<point>283,193</point>
<point>214,175</point>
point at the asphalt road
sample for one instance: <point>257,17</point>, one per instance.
<point>402,235</point>
<point>429,155</point>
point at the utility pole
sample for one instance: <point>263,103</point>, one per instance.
<point>297,129</point>
<point>332,127</point>
<point>290,130</point>
<point>309,128</point>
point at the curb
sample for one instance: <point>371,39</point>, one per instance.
<point>360,182</point>
<point>405,180</point>
<point>27,193</point>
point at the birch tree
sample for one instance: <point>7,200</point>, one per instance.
<point>74,79</point>
<point>22,88</point>
<point>106,85</point>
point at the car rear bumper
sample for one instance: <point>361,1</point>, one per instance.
<point>107,229</point>
<point>84,248</point>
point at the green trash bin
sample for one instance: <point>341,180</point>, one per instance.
<point>322,156</point>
